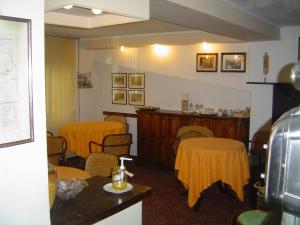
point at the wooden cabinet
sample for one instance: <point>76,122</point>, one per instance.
<point>157,131</point>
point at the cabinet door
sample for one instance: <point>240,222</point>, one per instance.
<point>148,133</point>
<point>232,128</point>
<point>224,128</point>
<point>169,128</point>
<point>165,145</point>
<point>204,122</point>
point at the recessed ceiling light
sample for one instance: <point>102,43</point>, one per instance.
<point>97,11</point>
<point>68,6</point>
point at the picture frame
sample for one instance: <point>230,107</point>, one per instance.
<point>119,96</point>
<point>207,62</point>
<point>233,62</point>
<point>136,97</point>
<point>16,124</point>
<point>84,80</point>
<point>119,80</point>
<point>136,80</point>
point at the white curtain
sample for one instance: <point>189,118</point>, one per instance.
<point>60,61</point>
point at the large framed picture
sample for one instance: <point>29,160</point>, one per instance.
<point>136,97</point>
<point>136,80</point>
<point>119,96</point>
<point>16,123</point>
<point>119,80</point>
<point>233,62</point>
<point>207,62</point>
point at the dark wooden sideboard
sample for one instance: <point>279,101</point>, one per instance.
<point>157,131</point>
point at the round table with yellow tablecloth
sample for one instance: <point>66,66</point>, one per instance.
<point>79,134</point>
<point>203,161</point>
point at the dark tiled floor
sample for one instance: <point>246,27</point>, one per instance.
<point>168,204</point>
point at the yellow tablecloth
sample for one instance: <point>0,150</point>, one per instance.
<point>64,172</point>
<point>79,134</point>
<point>203,161</point>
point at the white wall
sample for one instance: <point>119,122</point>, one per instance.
<point>168,77</point>
<point>23,173</point>
<point>87,97</point>
<point>281,53</point>
<point>165,80</point>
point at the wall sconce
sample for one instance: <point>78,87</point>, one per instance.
<point>265,66</point>
<point>161,50</point>
<point>206,47</point>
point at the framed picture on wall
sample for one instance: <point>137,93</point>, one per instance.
<point>119,96</point>
<point>16,124</point>
<point>136,80</point>
<point>207,62</point>
<point>84,80</point>
<point>136,97</point>
<point>233,62</point>
<point>119,80</point>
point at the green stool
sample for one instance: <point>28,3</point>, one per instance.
<point>252,217</point>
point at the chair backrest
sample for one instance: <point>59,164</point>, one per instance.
<point>56,148</point>
<point>118,118</point>
<point>100,164</point>
<point>117,144</point>
<point>186,135</point>
<point>258,140</point>
<point>205,131</point>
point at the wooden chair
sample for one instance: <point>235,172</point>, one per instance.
<point>204,130</point>
<point>115,144</point>
<point>190,132</point>
<point>118,118</point>
<point>186,132</point>
<point>257,154</point>
<point>251,217</point>
<point>100,164</point>
<point>56,148</point>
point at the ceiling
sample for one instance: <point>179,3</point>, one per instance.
<point>194,21</point>
<point>279,12</point>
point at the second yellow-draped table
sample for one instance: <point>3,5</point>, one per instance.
<point>79,134</point>
<point>203,161</point>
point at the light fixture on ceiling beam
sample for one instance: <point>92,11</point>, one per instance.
<point>68,6</point>
<point>116,12</point>
<point>96,11</point>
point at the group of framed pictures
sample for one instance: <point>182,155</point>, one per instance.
<point>131,84</point>
<point>230,62</point>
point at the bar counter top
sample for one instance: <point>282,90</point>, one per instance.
<point>94,204</point>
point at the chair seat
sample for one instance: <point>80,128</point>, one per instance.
<point>252,217</point>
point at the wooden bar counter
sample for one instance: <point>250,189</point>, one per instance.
<point>157,130</point>
<point>93,205</point>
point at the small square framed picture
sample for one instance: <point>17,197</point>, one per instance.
<point>119,80</point>
<point>119,96</point>
<point>136,97</point>
<point>207,62</point>
<point>136,80</point>
<point>233,62</point>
